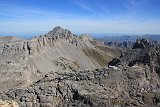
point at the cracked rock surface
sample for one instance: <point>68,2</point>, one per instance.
<point>106,87</point>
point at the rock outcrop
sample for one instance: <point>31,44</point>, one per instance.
<point>143,53</point>
<point>141,43</point>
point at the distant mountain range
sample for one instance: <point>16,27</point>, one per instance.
<point>129,38</point>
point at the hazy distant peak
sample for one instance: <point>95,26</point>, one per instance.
<point>85,37</point>
<point>8,38</point>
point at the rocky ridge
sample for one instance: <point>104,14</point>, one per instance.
<point>23,62</point>
<point>36,44</point>
<point>143,53</point>
<point>131,44</point>
<point>119,45</point>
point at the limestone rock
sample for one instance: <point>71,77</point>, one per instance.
<point>6,103</point>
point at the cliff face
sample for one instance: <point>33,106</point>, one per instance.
<point>24,61</point>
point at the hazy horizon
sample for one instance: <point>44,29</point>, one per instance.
<point>29,35</point>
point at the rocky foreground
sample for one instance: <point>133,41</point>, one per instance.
<point>107,87</point>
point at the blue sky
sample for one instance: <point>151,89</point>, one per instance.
<point>80,16</point>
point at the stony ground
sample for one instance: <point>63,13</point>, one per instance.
<point>107,87</point>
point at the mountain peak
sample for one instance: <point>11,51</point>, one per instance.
<point>86,37</point>
<point>57,29</point>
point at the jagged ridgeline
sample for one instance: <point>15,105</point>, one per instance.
<point>23,61</point>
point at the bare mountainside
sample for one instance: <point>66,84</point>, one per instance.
<point>25,61</point>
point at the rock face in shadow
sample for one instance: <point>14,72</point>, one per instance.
<point>141,43</point>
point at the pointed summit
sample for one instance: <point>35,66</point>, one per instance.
<point>59,32</point>
<point>57,29</point>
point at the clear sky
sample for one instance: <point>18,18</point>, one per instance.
<point>80,16</point>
